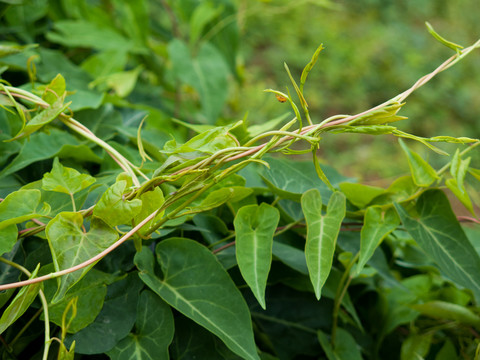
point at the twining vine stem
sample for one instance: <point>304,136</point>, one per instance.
<point>279,137</point>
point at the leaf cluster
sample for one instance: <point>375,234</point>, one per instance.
<point>141,243</point>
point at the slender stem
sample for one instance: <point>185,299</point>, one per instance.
<point>341,291</point>
<point>85,263</point>
<point>44,306</point>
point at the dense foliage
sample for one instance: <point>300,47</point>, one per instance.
<point>139,220</point>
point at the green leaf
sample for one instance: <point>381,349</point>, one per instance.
<point>207,73</point>
<point>114,209</point>
<point>291,179</point>
<point>7,49</point>
<point>437,231</point>
<point>423,174</point>
<point>152,334</point>
<point>416,346</point>
<point>447,311</point>
<point>151,201</point>
<point>377,224</point>
<point>42,118</point>
<point>55,90</point>
<point>360,195</point>
<point>291,256</point>
<point>309,67</point>
<point>322,233</point>
<point>207,142</point>
<point>442,40</point>
<point>20,303</point>
<point>204,13</point>
<point>70,245</point>
<point>20,206</point>
<point>254,229</point>
<point>115,321</point>
<point>8,238</point>
<point>346,347</point>
<point>122,83</point>
<point>41,146</point>
<point>194,342</point>
<point>90,291</point>
<point>80,33</point>
<point>194,283</point>
<point>65,180</point>
<point>385,115</point>
<point>458,169</point>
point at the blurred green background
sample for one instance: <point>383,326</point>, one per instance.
<point>208,62</point>
<point>374,50</point>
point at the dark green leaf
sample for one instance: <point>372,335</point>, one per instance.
<point>195,284</point>
<point>437,231</point>
<point>115,321</point>
<point>152,334</point>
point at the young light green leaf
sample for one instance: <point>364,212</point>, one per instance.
<point>475,173</point>
<point>70,246</point>
<point>195,284</point>
<point>437,231</point>
<point>153,334</point>
<point>360,195</point>
<point>376,226</point>
<point>20,206</point>
<point>42,118</point>
<point>207,142</point>
<point>444,41</point>
<point>322,233</point>
<point>423,174</point>
<point>20,303</point>
<point>309,67</point>
<point>254,229</point>
<point>65,180</point>
<point>458,169</point>
<point>55,90</point>
<point>151,201</point>
<point>319,170</point>
<point>8,238</point>
<point>448,311</point>
<point>424,141</point>
<point>114,209</point>
<point>367,129</point>
<point>385,115</point>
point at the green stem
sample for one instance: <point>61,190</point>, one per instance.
<point>341,291</point>
<point>44,302</point>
